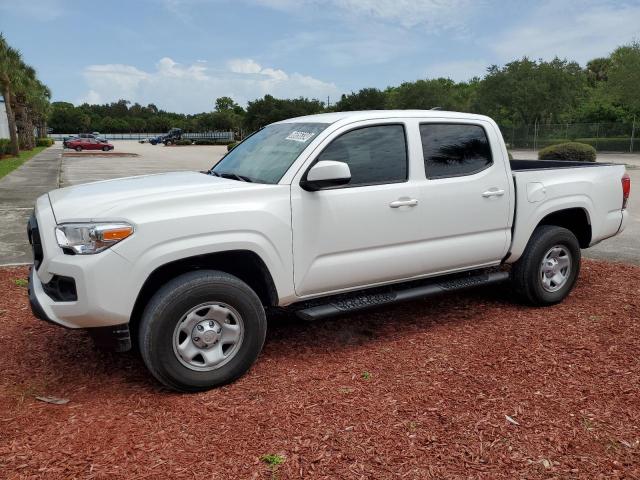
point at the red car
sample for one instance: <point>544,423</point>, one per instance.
<point>79,144</point>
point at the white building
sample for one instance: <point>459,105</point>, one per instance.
<point>4,122</point>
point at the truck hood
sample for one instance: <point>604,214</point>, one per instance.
<point>109,198</point>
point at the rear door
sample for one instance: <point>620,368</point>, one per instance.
<point>466,195</point>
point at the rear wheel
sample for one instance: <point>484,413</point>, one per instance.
<point>168,143</point>
<point>78,148</point>
<point>549,266</point>
<point>201,330</point>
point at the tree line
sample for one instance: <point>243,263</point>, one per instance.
<point>26,99</point>
<point>524,91</point>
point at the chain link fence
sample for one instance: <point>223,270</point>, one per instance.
<point>604,137</point>
<point>220,136</point>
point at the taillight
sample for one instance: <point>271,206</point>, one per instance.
<point>626,189</point>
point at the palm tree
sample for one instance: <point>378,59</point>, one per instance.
<point>24,91</point>
<point>9,63</point>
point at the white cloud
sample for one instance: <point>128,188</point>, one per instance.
<point>436,14</point>
<point>409,13</point>
<point>244,65</point>
<point>577,30</point>
<point>193,88</point>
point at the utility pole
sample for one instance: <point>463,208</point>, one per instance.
<point>328,101</point>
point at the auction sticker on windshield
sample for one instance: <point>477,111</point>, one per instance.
<point>299,136</point>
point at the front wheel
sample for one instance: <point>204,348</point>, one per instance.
<point>78,148</point>
<point>549,266</point>
<point>105,149</point>
<point>201,330</point>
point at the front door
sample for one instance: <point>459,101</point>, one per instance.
<point>368,231</point>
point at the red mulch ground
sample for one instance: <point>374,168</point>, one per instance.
<point>442,376</point>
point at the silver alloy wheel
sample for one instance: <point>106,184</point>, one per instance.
<point>208,336</point>
<point>555,268</point>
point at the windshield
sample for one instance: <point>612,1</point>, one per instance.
<point>265,156</point>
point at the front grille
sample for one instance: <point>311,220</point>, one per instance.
<point>34,239</point>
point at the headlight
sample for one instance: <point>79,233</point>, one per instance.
<point>88,238</point>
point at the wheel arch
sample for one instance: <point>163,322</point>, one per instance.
<point>244,264</point>
<point>575,220</point>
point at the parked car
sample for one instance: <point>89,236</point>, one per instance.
<point>94,135</point>
<point>156,140</point>
<point>320,216</point>
<point>88,143</point>
<point>66,140</point>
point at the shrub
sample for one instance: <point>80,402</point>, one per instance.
<point>5,146</point>
<point>231,146</point>
<point>612,144</point>
<point>205,141</point>
<point>44,142</point>
<point>183,141</point>
<point>580,152</point>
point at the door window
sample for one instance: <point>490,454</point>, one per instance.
<point>452,150</point>
<point>375,155</point>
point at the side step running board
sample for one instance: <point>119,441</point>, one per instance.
<point>375,297</point>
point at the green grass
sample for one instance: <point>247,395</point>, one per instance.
<point>21,282</point>
<point>272,459</point>
<point>9,164</point>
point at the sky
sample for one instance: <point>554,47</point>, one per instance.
<point>183,54</point>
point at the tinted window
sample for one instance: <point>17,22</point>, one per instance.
<point>454,150</point>
<point>374,154</point>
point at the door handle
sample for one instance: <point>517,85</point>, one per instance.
<point>494,192</point>
<point>410,202</point>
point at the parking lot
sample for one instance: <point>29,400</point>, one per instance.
<point>53,168</point>
<point>146,159</point>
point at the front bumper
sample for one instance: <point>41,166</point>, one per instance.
<point>101,296</point>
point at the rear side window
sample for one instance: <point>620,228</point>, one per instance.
<point>375,155</point>
<point>452,150</point>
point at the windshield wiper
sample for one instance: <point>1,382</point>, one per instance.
<point>233,176</point>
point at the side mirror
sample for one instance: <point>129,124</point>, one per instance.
<point>326,174</point>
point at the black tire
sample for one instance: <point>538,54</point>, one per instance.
<point>78,148</point>
<point>527,275</point>
<point>168,307</point>
<point>105,149</point>
<point>168,143</point>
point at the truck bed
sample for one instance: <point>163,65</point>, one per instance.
<point>542,185</point>
<point>519,165</point>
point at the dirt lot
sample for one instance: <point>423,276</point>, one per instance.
<point>421,390</point>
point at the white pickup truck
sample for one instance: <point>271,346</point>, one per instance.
<point>320,215</point>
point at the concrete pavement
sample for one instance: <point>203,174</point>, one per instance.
<point>149,159</point>
<point>18,193</point>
